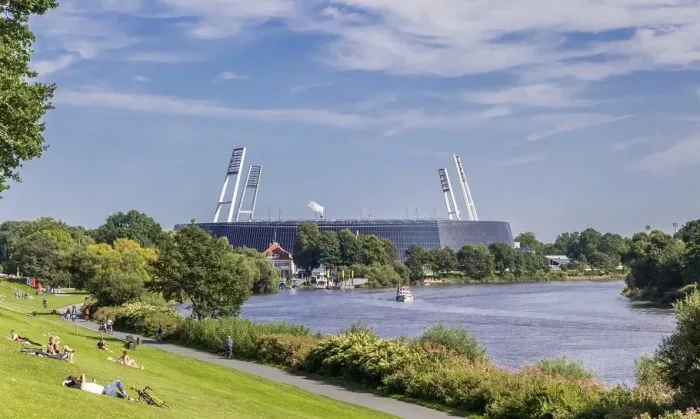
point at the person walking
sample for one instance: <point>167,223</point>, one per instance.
<point>229,347</point>
<point>159,333</point>
<point>43,303</point>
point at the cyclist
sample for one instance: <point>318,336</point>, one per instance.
<point>229,347</point>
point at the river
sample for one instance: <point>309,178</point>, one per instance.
<point>517,323</point>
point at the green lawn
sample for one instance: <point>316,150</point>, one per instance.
<point>53,301</point>
<point>31,386</point>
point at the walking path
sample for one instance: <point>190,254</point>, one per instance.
<point>381,404</point>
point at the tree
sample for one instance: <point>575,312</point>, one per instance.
<point>529,240</point>
<point>528,265</point>
<point>691,258</point>
<point>600,260</point>
<point>613,245</point>
<point>373,250</point>
<point>416,258</point>
<point>46,255</point>
<point>350,248</point>
<point>114,274</point>
<point>195,267</point>
<point>688,231</point>
<point>564,244</point>
<point>133,225</point>
<point>476,262</point>
<point>329,249</point>
<point>442,261</point>
<point>390,250</point>
<point>23,102</point>
<point>656,262</point>
<point>306,249</point>
<point>503,255</point>
<point>267,278</point>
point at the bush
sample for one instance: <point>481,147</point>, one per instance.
<point>362,357</point>
<point>143,318</point>
<point>563,367</point>
<point>455,339</point>
<point>211,334</point>
<point>286,350</point>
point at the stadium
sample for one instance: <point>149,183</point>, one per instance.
<point>453,232</point>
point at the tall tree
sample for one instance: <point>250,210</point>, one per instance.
<point>133,225</point>
<point>206,272</point>
<point>23,101</point>
<point>416,259</point>
<point>306,248</point>
<point>373,250</point>
<point>476,262</point>
<point>350,248</point>
<point>688,231</point>
<point>529,240</point>
<point>503,255</point>
<point>329,249</point>
<point>46,255</point>
<point>528,265</point>
<point>442,261</point>
<point>267,277</point>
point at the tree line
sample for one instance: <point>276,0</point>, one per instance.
<point>345,253</point>
<point>130,258</point>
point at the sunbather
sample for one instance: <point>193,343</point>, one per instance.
<point>17,338</point>
<point>114,389</point>
<point>124,359</point>
<point>102,345</point>
<point>54,350</point>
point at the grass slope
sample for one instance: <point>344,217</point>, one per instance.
<point>53,301</point>
<point>31,386</point>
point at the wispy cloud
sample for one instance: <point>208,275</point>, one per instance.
<point>168,105</point>
<point>554,124</point>
<point>230,75</point>
<point>142,79</point>
<point>519,161</point>
<point>684,153</point>
<point>163,57</point>
<point>298,88</point>
<point>539,95</point>
<point>625,145</point>
<point>46,67</point>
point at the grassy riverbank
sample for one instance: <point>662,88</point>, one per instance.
<point>53,301</point>
<point>31,386</point>
<point>557,276</point>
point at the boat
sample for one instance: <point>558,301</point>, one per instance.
<point>403,294</point>
<point>283,285</point>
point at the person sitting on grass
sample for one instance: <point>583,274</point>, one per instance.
<point>55,352</point>
<point>102,345</point>
<point>17,338</point>
<point>114,389</point>
<point>124,359</point>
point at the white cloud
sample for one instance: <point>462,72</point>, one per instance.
<point>229,75</point>
<point>684,153</point>
<point>541,95</point>
<point>46,67</point>
<point>163,57</point>
<point>553,124</point>
<point>625,145</point>
<point>168,105</point>
<point>519,161</point>
<point>142,79</point>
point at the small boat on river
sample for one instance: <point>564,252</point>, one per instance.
<point>403,294</point>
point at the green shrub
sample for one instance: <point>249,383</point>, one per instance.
<point>211,334</point>
<point>286,350</point>
<point>563,367</point>
<point>688,414</point>
<point>456,339</point>
<point>358,327</point>
<point>362,357</point>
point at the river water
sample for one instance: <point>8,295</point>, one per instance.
<point>518,323</point>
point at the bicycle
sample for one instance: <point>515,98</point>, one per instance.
<point>144,397</point>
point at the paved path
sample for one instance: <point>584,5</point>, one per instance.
<point>381,404</point>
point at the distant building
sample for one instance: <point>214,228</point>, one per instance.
<point>281,259</point>
<point>556,262</point>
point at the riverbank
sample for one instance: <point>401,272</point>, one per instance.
<point>552,278</point>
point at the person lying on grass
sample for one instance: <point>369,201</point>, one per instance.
<point>54,350</point>
<point>114,389</point>
<point>17,338</point>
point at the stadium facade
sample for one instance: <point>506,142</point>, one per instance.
<point>429,234</point>
<point>453,232</point>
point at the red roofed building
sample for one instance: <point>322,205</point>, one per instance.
<point>281,259</point>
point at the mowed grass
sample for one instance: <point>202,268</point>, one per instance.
<point>53,301</point>
<point>31,386</point>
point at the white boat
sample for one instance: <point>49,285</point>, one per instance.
<point>403,294</point>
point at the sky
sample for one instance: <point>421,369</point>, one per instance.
<point>567,114</point>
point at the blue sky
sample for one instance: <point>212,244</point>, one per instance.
<point>565,115</point>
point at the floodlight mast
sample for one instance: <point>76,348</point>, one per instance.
<point>469,202</point>
<point>234,169</point>
<point>452,210</point>
<point>252,182</point>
